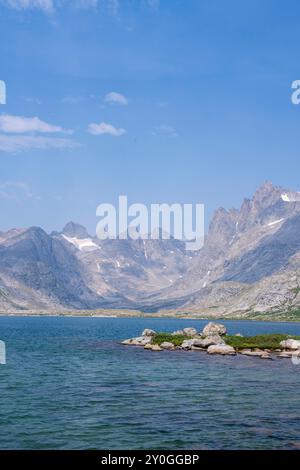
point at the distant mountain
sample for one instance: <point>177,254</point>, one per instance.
<point>40,271</point>
<point>250,258</point>
<point>250,262</point>
<point>72,229</point>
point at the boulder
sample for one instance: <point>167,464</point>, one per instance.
<point>223,349</point>
<point>148,332</point>
<point>190,331</point>
<point>152,347</point>
<point>188,343</point>
<point>208,341</point>
<point>292,344</point>
<point>127,342</point>
<point>167,345</point>
<point>156,347</point>
<point>139,341</point>
<point>178,332</point>
<point>214,329</point>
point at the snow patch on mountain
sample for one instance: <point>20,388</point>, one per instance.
<point>82,243</point>
<point>275,222</point>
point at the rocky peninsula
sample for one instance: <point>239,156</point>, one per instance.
<point>215,340</point>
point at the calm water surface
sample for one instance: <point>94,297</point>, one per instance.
<point>69,384</point>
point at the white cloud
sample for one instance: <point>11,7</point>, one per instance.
<point>19,125</point>
<point>48,6</point>
<point>111,7</point>
<point>115,98</point>
<point>153,3</point>
<point>45,5</point>
<point>72,99</point>
<point>30,99</point>
<point>18,143</point>
<point>86,4</point>
<point>166,130</point>
<point>16,190</point>
<point>104,128</point>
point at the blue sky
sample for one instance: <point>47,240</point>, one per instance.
<point>164,101</point>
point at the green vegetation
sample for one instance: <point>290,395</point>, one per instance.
<point>271,341</point>
<point>162,337</point>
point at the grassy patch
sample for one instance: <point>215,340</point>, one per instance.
<point>271,341</point>
<point>162,337</point>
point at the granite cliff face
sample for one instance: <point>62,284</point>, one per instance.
<point>250,262</point>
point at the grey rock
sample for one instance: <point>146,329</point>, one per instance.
<point>208,341</point>
<point>223,349</point>
<point>167,345</point>
<point>138,341</point>
<point>188,344</point>
<point>214,329</point>
<point>148,332</point>
<point>178,332</point>
<point>261,353</point>
<point>292,344</point>
<point>153,347</point>
<point>285,355</point>
<point>190,331</point>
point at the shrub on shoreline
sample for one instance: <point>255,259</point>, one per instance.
<point>177,340</point>
<point>270,341</point>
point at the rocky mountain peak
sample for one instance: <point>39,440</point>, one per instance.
<point>266,195</point>
<point>72,229</point>
<point>222,227</point>
<point>265,206</point>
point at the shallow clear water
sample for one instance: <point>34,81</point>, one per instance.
<point>69,384</point>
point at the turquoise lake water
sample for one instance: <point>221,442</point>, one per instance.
<point>69,384</point>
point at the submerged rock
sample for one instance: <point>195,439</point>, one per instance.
<point>223,349</point>
<point>190,331</point>
<point>257,353</point>
<point>266,356</point>
<point>289,354</point>
<point>214,329</point>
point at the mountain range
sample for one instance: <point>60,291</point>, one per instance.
<point>249,264</point>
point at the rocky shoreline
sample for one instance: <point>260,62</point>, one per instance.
<point>215,340</point>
